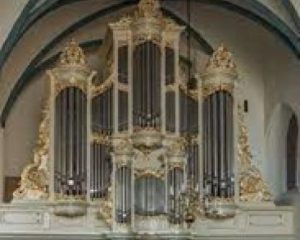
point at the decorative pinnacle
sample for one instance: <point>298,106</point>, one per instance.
<point>149,8</point>
<point>72,54</point>
<point>221,60</point>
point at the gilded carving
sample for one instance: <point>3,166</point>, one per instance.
<point>253,188</point>
<point>62,84</point>
<point>121,145</point>
<point>148,9</point>
<point>73,55</point>
<point>149,24</point>
<point>175,146</point>
<point>103,139</point>
<point>35,177</point>
<point>139,173</point>
<point>106,208</point>
<point>209,89</point>
<point>103,87</point>
<point>220,72</point>
<point>192,93</point>
<point>221,60</point>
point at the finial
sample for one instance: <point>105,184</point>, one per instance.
<point>221,60</point>
<point>149,8</point>
<point>72,54</point>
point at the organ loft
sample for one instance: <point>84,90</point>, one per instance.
<point>143,148</point>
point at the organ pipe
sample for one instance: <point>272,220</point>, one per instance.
<point>218,137</point>
<point>123,194</point>
<point>70,132</point>
<point>175,188</point>
<point>146,85</point>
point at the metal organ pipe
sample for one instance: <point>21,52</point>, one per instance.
<point>175,184</point>
<point>70,132</point>
<point>218,150</point>
<point>123,194</point>
<point>146,85</point>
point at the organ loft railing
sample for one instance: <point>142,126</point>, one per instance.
<point>136,140</point>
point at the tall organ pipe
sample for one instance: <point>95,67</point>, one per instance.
<point>123,194</point>
<point>70,132</point>
<point>218,148</point>
<point>175,184</point>
<point>100,162</point>
<point>146,85</point>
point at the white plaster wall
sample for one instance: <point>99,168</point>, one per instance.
<point>276,148</point>
<point>21,128</point>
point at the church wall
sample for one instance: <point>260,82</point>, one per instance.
<point>22,127</point>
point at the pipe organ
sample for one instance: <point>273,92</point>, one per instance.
<point>147,146</point>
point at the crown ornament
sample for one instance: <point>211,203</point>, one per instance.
<point>149,9</point>
<point>221,61</point>
<point>73,54</point>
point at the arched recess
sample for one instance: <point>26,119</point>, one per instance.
<point>291,155</point>
<point>275,166</point>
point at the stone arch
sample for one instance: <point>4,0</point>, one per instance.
<point>275,166</point>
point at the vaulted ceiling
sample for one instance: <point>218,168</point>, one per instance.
<point>35,38</point>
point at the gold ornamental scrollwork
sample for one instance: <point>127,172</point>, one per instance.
<point>73,54</point>
<point>103,139</point>
<point>220,73</point>
<point>221,60</point>
<point>209,89</point>
<point>59,86</point>
<point>175,165</point>
<point>121,145</point>
<point>253,187</point>
<point>176,146</point>
<point>192,93</point>
<point>35,176</point>
<point>148,9</point>
<point>103,87</point>
<point>106,208</point>
<point>140,173</point>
